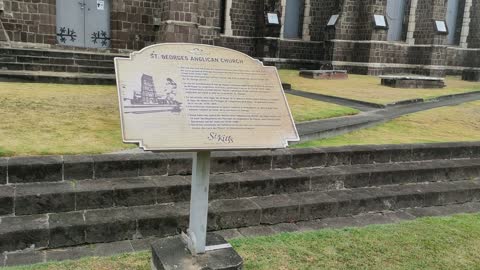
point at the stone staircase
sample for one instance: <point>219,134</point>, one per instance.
<point>57,66</point>
<point>60,201</point>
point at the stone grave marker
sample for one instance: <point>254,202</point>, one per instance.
<point>200,98</point>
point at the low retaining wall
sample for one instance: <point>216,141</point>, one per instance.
<point>82,167</point>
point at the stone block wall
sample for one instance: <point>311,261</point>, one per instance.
<point>29,20</point>
<point>244,18</point>
<point>356,22</point>
<point>245,45</point>
<point>320,13</point>
<point>301,50</point>
<point>460,57</point>
<point>427,12</point>
<point>473,39</point>
<point>132,23</point>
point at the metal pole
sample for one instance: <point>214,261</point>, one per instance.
<point>197,231</point>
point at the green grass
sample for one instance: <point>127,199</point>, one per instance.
<point>427,243</point>
<point>304,109</point>
<point>368,88</point>
<point>49,119</point>
<point>445,124</point>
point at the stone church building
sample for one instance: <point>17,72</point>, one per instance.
<point>430,37</point>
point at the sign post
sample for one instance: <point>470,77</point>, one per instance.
<point>197,229</point>
<point>200,98</point>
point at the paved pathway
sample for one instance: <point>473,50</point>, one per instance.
<point>336,126</point>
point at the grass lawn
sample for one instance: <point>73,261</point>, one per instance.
<point>41,119</point>
<point>427,243</point>
<point>305,109</point>
<point>446,124</point>
<point>368,88</point>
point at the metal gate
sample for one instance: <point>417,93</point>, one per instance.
<point>83,23</point>
<point>452,14</point>
<point>291,26</point>
<point>395,18</point>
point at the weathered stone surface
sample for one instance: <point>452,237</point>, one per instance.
<point>224,186</point>
<point>314,205</point>
<point>225,162</point>
<point>170,253</point>
<point>71,253</point>
<point>226,214</point>
<point>23,232</point>
<point>35,169</point>
<point>255,183</point>
<point>290,181</point>
<point>110,249</point>
<point>277,209</point>
<point>172,189</point>
<point>44,198</point>
<point>92,194</point>
<point>162,220</point>
<point>412,81</point>
<point>6,200</point>
<point>133,192</point>
<point>143,244</point>
<point>109,225</point>
<point>324,74</point>
<point>308,157</point>
<point>285,227</point>
<point>229,234</point>
<point>66,229</point>
<point>77,167</point>
<point>152,164</point>
<point>3,170</point>
<point>326,179</point>
<point>256,231</point>
<point>24,258</point>
<point>471,75</point>
<point>110,166</point>
<point>338,156</point>
<point>258,160</point>
<point>179,164</point>
<point>281,159</point>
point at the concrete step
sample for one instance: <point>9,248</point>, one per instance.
<point>144,244</point>
<point>55,53</point>
<point>56,77</point>
<point>16,170</point>
<point>56,68</point>
<point>116,224</point>
<point>56,61</point>
<point>39,198</point>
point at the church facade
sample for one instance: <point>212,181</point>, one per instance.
<point>429,37</point>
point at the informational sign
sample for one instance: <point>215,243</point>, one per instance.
<point>441,27</point>
<point>272,18</point>
<point>198,97</point>
<point>100,5</point>
<point>333,20</point>
<point>380,21</point>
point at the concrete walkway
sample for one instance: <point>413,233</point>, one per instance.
<point>336,126</point>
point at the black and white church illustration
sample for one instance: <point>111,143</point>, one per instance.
<point>148,100</point>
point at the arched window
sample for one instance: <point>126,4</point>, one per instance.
<point>454,21</point>
<point>396,10</point>
<point>292,27</point>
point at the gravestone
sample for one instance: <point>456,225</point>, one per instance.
<point>412,81</point>
<point>472,75</point>
<point>200,98</point>
<point>324,74</point>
